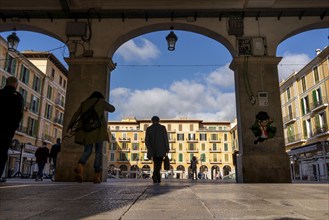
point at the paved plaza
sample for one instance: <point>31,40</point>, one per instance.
<point>172,199</point>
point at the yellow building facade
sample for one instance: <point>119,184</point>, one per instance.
<point>304,98</point>
<point>42,81</point>
<point>210,142</point>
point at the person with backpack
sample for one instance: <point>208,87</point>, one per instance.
<point>90,129</point>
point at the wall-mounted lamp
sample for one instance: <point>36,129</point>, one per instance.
<point>171,40</point>
<point>12,41</point>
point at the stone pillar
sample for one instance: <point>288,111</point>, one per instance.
<point>85,76</point>
<point>260,160</point>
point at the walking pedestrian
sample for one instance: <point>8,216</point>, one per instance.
<point>156,141</point>
<point>55,149</point>
<point>91,138</point>
<point>11,112</point>
<point>41,156</point>
<point>194,163</point>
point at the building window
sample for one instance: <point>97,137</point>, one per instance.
<point>34,104</point>
<point>134,157</point>
<point>112,157</point>
<point>317,98</point>
<point>203,146</point>
<point>191,146</point>
<point>215,158</point>
<point>123,157</point>
<point>214,146</point>
<point>191,137</point>
<point>25,75</point>
<point>225,137</point>
<point>64,83</point>
<point>23,92</point>
<point>169,127</point>
<point>180,146</point>
<point>60,80</point>
<point>203,157</point>
<point>307,128</point>
<point>135,146</point>
<point>125,146</point>
<point>203,137</point>
<point>305,105</point>
<point>214,137</point>
<point>36,84</point>
<point>52,73</point>
<point>303,83</point>
<point>31,127</point>
<point>180,137</point>
<point>49,92</point>
<point>180,127</point>
<point>290,133</point>
<point>225,147</point>
<point>320,123</point>
<point>191,127</point>
<point>10,65</point>
<point>316,74</point>
<point>226,157</point>
<point>135,136</point>
<point>48,111</point>
<point>113,146</point>
<point>212,128</point>
<point>180,157</point>
<point>288,93</point>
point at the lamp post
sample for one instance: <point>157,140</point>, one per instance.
<point>171,40</point>
<point>12,41</point>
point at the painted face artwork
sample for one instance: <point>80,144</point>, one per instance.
<point>262,127</point>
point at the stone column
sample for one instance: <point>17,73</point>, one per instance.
<point>259,160</point>
<point>85,76</point>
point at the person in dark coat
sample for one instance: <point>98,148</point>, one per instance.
<point>41,156</point>
<point>156,141</point>
<point>11,112</point>
<point>91,138</point>
<point>194,168</point>
<point>55,149</point>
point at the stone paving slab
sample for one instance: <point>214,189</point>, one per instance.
<point>124,199</point>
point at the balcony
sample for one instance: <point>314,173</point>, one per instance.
<point>122,139</point>
<point>144,150</point>
<point>58,121</point>
<point>215,150</point>
<point>319,104</point>
<point>59,103</point>
<point>172,150</point>
<point>290,118</point>
<point>192,150</point>
<point>192,140</point>
<point>171,140</point>
<point>318,131</point>
<point>171,131</point>
<point>215,161</point>
<point>123,160</point>
<point>125,149</point>
<point>172,161</point>
<point>216,140</point>
<point>294,138</point>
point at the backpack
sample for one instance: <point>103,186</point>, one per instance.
<point>90,120</point>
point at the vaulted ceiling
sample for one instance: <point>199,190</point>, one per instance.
<point>148,9</point>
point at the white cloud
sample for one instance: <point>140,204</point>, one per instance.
<point>223,77</point>
<point>203,100</point>
<point>291,63</point>
<point>138,50</point>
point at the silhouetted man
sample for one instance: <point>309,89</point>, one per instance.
<point>156,141</point>
<point>11,112</point>
<point>55,149</point>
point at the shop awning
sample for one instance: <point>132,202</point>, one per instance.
<point>302,150</point>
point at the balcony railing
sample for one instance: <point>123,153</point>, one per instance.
<point>59,102</point>
<point>192,140</point>
<point>294,138</point>
<point>192,149</point>
<point>215,150</point>
<point>320,130</point>
<point>121,139</point>
<point>215,161</point>
<point>319,104</point>
<point>125,149</point>
<point>289,118</point>
<point>215,140</point>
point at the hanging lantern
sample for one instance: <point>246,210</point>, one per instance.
<point>12,41</point>
<point>171,40</point>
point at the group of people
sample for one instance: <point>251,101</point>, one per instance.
<point>156,137</point>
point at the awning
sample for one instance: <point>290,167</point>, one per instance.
<point>16,153</point>
<point>301,150</point>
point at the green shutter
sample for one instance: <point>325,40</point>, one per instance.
<point>315,100</point>
<point>303,107</point>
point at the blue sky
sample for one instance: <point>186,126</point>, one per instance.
<point>193,81</point>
